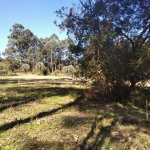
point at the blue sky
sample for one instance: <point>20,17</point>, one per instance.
<point>36,15</point>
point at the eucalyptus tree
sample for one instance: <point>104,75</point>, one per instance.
<point>62,48</point>
<point>49,49</point>
<point>54,52</point>
<point>34,53</point>
<point>113,35</point>
<point>22,45</point>
<point>12,56</point>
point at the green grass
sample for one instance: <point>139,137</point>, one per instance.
<point>44,117</point>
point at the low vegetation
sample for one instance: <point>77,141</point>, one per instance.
<point>105,105</point>
<point>51,117</point>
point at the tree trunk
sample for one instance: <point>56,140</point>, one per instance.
<point>59,66</point>
<point>52,62</point>
<point>55,66</point>
<point>132,81</point>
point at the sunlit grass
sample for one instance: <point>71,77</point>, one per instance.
<point>43,121</point>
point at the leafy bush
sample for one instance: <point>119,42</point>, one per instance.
<point>45,71</point>
<point>3,72</point>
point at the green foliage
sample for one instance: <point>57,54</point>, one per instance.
<point>4,64</point>
<point>54,51</point>
<point>13,64</point>
<point>45,71</point>
<point>23,45</point>
<point>111,41</point>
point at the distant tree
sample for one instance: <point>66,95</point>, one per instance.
<point>54,52</point>
<point>49,48</point>
<point>25,67</point>
<point>22,45</point>
<point>62,48</point>
<point>13,64</point>
<point>39,66</point>
<point>0,56</point>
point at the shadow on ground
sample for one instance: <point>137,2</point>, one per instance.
<point>101,133</point>
<point>100,136</point>
<point>39,115</point>
<point>28,80</point>
<point>34,144</point>
<point>23,95</point>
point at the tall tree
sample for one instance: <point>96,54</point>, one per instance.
<point>107,30</point>
<point>49,50</point>
<point>54,51</point>
<point>62,48</point>
<point>22,44</point>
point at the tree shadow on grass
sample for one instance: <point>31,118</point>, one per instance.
<point>29,94</point>
<point>118,112</point>
<point>8,81</point>
<point>100,136</point>
<point>73,121</point>
<point>36,144</point>
<point>14,103</point>
<point>39,115</point>
<point>26,80</point>
<point>139,95</point>
<point>33,144</point>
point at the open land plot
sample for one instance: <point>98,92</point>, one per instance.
<point>31,79</point>
<point>60,117</point>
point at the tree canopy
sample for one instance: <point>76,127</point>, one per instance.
<point>112,37</point>
<point>22,45</point>
<point>25,48</point>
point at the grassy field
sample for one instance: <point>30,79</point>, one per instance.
<point>57,117</point>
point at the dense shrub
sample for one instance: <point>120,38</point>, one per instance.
<point>45,71</point>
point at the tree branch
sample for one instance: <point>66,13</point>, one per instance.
<point>144,30</point>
